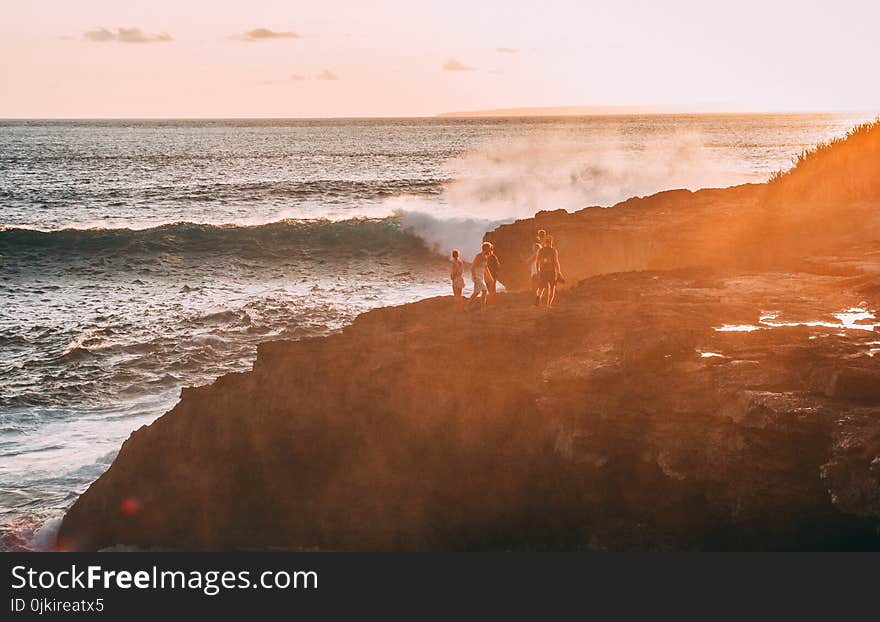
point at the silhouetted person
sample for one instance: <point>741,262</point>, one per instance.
<point>533,269</point>
<point>478,268</point>
<point>493,266</point>
<point>549,271</point>
<point>540,238</point>
<point>457,276</point>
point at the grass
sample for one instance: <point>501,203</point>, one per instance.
<point>843,169</point>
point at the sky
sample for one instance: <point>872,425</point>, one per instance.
<point>336,58</point>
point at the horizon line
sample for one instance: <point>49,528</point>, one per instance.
<point>453,116</point>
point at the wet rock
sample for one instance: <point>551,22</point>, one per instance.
<point>857,384</point>
<point>853,472</point>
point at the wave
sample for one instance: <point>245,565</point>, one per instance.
<point>443,234</point>
<point>406,231</point>
<point>368,234</point>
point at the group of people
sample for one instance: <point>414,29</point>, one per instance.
<point>485,267</point>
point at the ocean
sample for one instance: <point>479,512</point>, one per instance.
<point>139,257</point>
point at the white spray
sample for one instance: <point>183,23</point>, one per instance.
<point>511,179</point>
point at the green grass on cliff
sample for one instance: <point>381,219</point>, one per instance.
<point>843,169</point>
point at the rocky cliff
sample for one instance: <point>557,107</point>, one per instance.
<point>808,211</point>
<point>707,384</point>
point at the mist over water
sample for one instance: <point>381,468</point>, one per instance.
<point>140,257</point>
<point>515,178</point>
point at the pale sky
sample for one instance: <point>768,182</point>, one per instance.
<point>193,58</point>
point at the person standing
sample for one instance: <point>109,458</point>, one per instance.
<point>457,276</point>
<point>533,268</point>
<point>478,268</point>
<point>549,271</point>
<point>493,266</point>
<point>540,238</point>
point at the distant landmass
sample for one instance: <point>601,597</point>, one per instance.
<point>579,111</point>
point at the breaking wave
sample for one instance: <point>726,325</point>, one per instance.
<point>187,237</point>
<point>405,231</point>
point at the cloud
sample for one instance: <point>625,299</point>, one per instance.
<point>506,50</point>
<point>126,35</point>
<point>100,35</point>
<point>136,35</point>
<point>454,65</point>
<point>265,34</point>
<point>327,75</point>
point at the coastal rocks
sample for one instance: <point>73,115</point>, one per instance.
<point>857,384</point>
<point>744,228</point>
<point>596,425</point>
<point>668,230</point>
<point>853,472</point>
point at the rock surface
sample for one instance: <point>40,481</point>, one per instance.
<point>621,419</point>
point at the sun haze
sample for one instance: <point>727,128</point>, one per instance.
<point>163,58</point>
